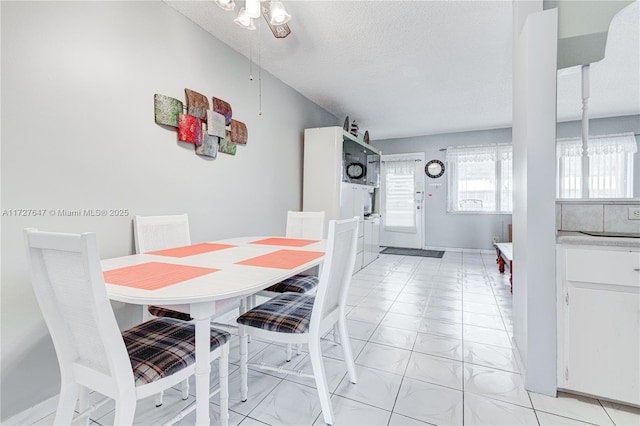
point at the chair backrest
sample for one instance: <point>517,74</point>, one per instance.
<point>305,224</point>
<point>335,274</point>
<point>69,287</point>
<point>161,232</point>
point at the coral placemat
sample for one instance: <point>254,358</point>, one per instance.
<point>283,259</point>
<point>191,250</point>
<point>291,242</point>
<point>154,275</point>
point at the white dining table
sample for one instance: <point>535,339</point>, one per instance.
<point>239,267</point>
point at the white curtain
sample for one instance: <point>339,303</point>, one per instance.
<point>479,178</point>
<point>399,205</point>
<point>610,173</point>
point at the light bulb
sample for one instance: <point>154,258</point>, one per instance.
<point>244,20</point>
<point>279,14</point>
<point>253,8</point>
<point>226,4</point>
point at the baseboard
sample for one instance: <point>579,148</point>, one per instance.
<point>460,250</point>
<point>33,414</point>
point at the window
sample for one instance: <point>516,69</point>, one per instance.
<point>480,179</point>
<point>607,167</point>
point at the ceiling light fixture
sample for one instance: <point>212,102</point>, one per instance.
<point>273,12</point>
<point>279,14</point>
<point>226,4</point>
<point>244,20</point>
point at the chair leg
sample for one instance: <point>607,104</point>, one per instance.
<point>146,316</point>
<point>321,381</point>
<point>66,404</point>
<point>159,396</point>
<point>83,404</point>
<point>223,368</point>
<point>299,349</point>
<point>289,352</point>
<point>185,389</point>
<point>336,333</point>
<point>245,305</point>
<point>346,348</point>
<point>244,390</point>
<point>125,409</point>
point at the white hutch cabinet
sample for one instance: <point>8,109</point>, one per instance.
<point>341,175</point>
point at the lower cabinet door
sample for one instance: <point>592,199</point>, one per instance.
<point>603,343</point>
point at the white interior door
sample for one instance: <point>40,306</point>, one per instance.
<point>402,188</point>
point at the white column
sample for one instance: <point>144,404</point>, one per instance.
<point>586,93</point>
<point>534,135</point>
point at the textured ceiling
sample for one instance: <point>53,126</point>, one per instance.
<point>408,68</point>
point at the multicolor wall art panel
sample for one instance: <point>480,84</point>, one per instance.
<point>189,129</point>
<point>197,104</point>
<point>215,124</point>
<point>223,108</point>
<point>209,127</point>
<point>227,145</point>
<point>238,132</point>
<point>166,110</point>
<point>209,147</point>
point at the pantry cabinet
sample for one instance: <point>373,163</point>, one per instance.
<point>331,183</point>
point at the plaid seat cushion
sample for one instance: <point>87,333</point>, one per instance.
<point>285,313</point>
<point>157,311</point>
<point>162,346</point>
<point>295,284</point>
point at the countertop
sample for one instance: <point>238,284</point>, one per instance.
<point>577,238</point>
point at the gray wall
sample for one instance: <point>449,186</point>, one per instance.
<point>78,80</point>
<point>475,231</point>
<point>452,230</point>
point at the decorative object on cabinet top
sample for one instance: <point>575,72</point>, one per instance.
<point>209,127</point>
<point>345,126</point>
<point>354,128</point>
<point>365,139</point>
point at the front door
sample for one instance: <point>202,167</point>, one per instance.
<point>402,187</point>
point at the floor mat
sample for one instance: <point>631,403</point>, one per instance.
<point>412,252</point>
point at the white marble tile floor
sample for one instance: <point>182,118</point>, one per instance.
<point>431,340</point>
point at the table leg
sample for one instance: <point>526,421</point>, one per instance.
<point>500,264</point>
<point>203,368</point>
<point>511,276</point>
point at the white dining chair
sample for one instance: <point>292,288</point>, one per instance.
<point>304,225</point>
<point>153,233</point>
<point>93,354</point>
<point>293,318</point>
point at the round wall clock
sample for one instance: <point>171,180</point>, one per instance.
<point>355,170</point>
<point>434,169</point>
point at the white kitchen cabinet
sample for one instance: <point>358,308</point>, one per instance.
<point>371,240</point>
<point>599,321</point>
<point>326,187</point>
<point>353,198</point>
